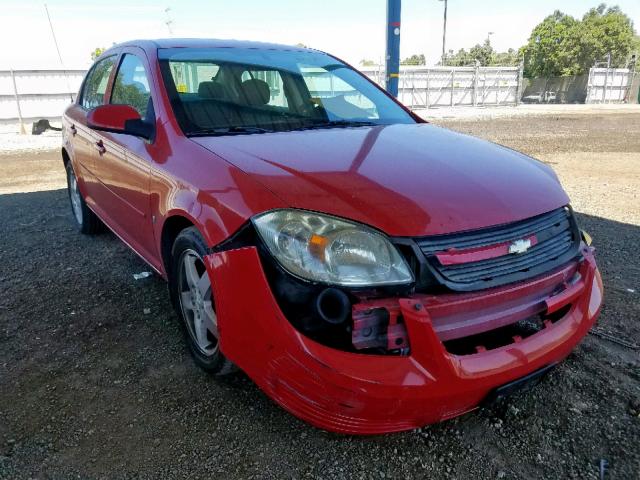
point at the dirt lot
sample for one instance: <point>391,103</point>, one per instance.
<point>92,387</point>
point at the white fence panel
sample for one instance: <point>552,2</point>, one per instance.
<point>41,93</point>
<point>425,87</point>
<point>46,93</point>
<point>609,85</point>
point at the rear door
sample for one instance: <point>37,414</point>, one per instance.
<point>123,162</point>
<point>81,139</point>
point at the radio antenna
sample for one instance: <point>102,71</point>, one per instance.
<point>55,42</point>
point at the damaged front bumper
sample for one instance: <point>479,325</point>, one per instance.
<point>368,394</point>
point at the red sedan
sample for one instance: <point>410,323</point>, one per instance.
<point>369,271</point>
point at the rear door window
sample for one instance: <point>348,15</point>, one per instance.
<point>96,83</point>
<point>131,86</point>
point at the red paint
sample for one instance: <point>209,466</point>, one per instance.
<point>457,257</point>
<point>455,316</point>
<point>369,394</point>
<point>111,117</point>
<point>405,180</point>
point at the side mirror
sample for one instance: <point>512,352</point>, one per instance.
<point>119,119</point>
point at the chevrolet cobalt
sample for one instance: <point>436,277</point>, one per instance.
<point>371,272</point>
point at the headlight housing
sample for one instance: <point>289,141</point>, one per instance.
<point>326,249</point>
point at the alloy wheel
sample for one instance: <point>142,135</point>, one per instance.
<point>74,196</point>
<point>196,303</point>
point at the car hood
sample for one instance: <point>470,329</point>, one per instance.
<point>406,180</point>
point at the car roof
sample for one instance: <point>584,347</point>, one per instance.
<point>152,44</point>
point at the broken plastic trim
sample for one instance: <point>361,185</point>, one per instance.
<point>299,300</point>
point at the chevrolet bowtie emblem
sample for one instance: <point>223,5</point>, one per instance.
<point>520,246</point>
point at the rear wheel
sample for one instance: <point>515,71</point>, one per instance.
<point>86,221</point>
<point>192,296</point>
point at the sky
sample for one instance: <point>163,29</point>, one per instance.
<point>350,29</point>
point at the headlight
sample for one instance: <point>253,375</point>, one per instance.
<point>326,249</point>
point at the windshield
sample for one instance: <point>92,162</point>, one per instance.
<point>226,91</point>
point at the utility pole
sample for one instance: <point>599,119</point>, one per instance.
<point>393,46</point>
<point>444,35</point>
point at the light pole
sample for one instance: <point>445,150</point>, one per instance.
<point>489,37</point>
<point>393,46</point>
<point>444,34</point>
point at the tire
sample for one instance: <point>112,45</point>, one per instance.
<point>192,297</point>
<point>85,220</point>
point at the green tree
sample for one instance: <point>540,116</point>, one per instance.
<point>635,51</point>
<point>484,55</point>
<point>562,45</point>
<point>459,59</point>
<point>552,50</point>
<point>605,31</point>
<point>96,53</point>
<point>414,60</point>
<point>367,63</point>
<point>509,58</point>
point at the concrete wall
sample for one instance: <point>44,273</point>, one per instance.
<point>41,93</point>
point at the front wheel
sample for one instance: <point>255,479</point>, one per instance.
<point>192,297</point>
<point>86,221</point>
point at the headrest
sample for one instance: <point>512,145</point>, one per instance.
<point>211,90</point>
<point>255,92</point>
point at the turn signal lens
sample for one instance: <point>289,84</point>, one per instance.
<point>596,294</point>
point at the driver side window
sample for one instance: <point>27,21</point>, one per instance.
<point>131,86</point>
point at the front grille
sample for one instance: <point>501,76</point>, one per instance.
<point>557,243</point>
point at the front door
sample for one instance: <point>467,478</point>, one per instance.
<point>123,162</point>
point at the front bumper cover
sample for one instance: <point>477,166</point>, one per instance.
<point>369,394</point>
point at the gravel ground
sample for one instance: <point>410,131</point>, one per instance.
<point>91,386</point>
<point>11,142</point>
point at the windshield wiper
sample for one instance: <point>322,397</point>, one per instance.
<point>343,123</point>
<point>236,130</point>
<point>335,124</point>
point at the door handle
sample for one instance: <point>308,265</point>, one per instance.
<point>101,148</point>
<point>73,130</point>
